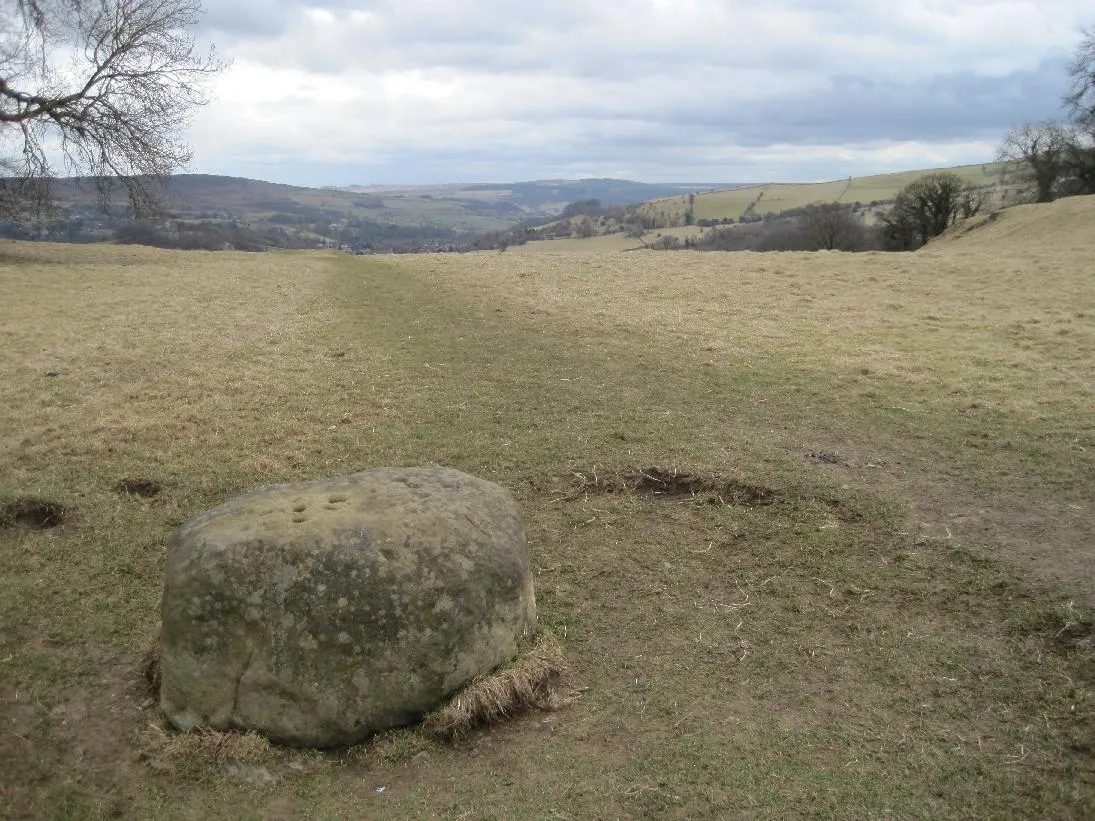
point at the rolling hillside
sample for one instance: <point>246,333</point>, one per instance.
<point>1066,226</point>
<point>735,203</point>
<point>543,196</point>
<point>205,196</point>
<point>475,207</point>
<point>230,212</point>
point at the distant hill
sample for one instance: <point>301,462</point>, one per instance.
<point>207,196</point>
<point>746,200</point>
<point>238,212</point>
<point>545,197</point>
<point>764,217</point>
<point>216,211</point>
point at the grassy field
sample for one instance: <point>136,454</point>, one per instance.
<point>776,197</point>
<point>609,244</point>
<point>867,593</point>
<point>885,186</point>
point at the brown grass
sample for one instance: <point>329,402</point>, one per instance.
<point>890,637</point>
<point>531,682</point>
<point>200,753</point>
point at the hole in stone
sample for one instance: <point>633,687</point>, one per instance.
<point>387,553</point>
<point>338,497</point>
<point>299,508</point>
<point>40,514</point>
<point>145,488</point>
<point>299,519</point>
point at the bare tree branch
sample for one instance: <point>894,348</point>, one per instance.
<point>114,111</point>
<point>831,227</point>
<point>1081,71</point>
<point>1039,149</point>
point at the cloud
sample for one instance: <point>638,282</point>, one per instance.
<point>426,90</point>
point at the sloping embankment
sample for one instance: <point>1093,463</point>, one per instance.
<point>1066,226</point>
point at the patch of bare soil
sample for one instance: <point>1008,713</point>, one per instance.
<point>145,488</point>
<point>674,484</point>
<point>39,514</point>
<point>83,743</point>
<point>1052,541</point>
<point>828,457</point>
<point>149,668</point>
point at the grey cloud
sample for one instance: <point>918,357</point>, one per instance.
<point>262,18</point>
<point>851,109</point>
<point>400,25</point>
<point>860,109</point>
<point>581,40</point>
<point>837,74</point>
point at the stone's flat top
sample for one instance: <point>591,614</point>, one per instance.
<point>300,511</point>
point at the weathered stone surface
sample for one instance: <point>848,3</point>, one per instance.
<point>319,612</point>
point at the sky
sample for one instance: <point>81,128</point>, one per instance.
<point>362,92</point>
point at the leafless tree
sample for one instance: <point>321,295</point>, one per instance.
<point>1079,163</point>
<point>97,88</point>
<point>970,201</point>
<point>1079,155</point>
<point>831,227</point>
<point>1040,150</point>
<point>585,228</point>
<point>1081,95</point>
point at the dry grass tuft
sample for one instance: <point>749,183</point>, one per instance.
<point>531,682</point>
<point>1062,628</point>
<point>198,753</point>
